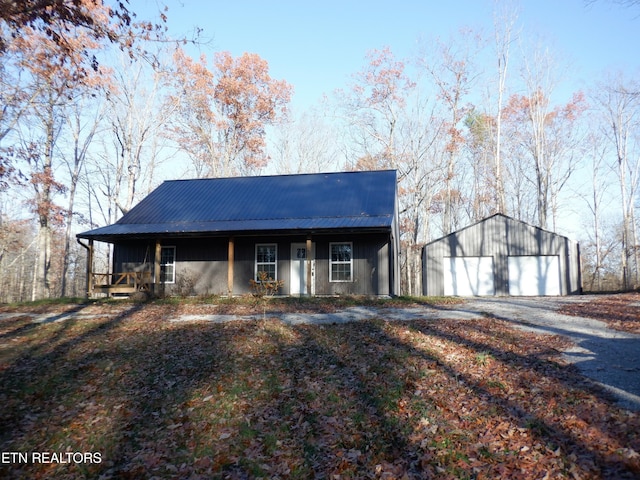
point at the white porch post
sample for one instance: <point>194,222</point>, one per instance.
<point>308,264</point>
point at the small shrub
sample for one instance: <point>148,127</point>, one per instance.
<point>263,288</point>
<point>186,284</point>
<point>140,297</point>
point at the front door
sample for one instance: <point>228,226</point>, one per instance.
<point>299,256</point>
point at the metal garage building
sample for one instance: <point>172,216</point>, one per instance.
<point>501,256</point>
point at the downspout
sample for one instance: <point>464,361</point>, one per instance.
<point>89,249</point>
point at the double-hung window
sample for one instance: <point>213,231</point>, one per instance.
<point>341,262</point>
<point>168,265</point>
<point>266,260</point>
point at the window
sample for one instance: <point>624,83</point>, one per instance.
<point>266,258</point>
<point>340,262</point>
<point>168,265</point>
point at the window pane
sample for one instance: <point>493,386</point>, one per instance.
<point>166,255</point>
<point>341,262</point>
<point>270,269</point>
<point>341,272</point>
<point>266,261</point>
<point>167,264</point>
<point>166,273</point>
<point>266,254</point>
<point>341,252</point>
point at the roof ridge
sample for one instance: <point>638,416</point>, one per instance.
<point>279,175</point>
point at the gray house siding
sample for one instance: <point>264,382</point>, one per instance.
<point>500,238</point>
<point>133,257</point>
<point>201,266</point>
<point>370,266</point>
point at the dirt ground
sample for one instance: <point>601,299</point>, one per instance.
<point>604,330</point>
<point>322,388</point>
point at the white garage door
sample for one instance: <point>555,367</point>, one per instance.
<point>468,276</point>
<point>534,275</point>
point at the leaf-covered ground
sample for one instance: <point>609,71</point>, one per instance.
<point>620,311</point>
<point>443,399</point>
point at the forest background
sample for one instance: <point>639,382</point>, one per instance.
<point>475,104</point>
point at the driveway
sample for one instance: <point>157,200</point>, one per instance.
<point>609,357</point>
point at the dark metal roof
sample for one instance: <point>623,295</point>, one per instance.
<point>323,201</point>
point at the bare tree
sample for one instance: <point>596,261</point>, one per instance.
<point>503,30</point>
<point>594,196</point>
<point>480,146</point>
<point>371,107</point>
<point>17,246</point>
<point>548,135</point>
<point>40,155</point>
<point>136,119</point>
<point>619,101</point>
<point>420,149</point>
<point>305,144</point>
<point>82,127</point>
<point>453,74</point>
<point>53,75</point>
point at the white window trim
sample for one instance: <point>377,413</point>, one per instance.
<point>274,263</point>
<point>331,263</point>
<point>173,264</point>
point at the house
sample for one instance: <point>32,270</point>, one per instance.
<point>501,256</point>
<point>321,234</point>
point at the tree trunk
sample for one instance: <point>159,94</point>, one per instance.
<point>503,25</point>
<point>44,203</point>
<point>596,227</point>
<point>448,201</point>
<point>622,176</point>
<point>79,154</point>
<point>41,286</point>
<point>67,239</point>
<point>634,247</point>
<point>21,279</point>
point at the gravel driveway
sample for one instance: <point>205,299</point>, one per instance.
<point>609,357</point>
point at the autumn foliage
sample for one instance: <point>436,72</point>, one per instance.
<point>56,20</point>
<point>223,112</point>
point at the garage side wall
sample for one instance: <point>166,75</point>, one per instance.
<point>500,237</point>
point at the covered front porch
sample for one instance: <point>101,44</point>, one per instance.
<point>151,276</point>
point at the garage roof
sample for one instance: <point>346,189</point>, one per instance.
<point>323,201</point>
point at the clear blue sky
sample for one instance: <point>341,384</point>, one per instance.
<point>316,46</point>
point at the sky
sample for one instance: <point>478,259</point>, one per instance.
<point>317,46</point>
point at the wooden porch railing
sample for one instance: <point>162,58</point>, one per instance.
<point>124,282</point>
